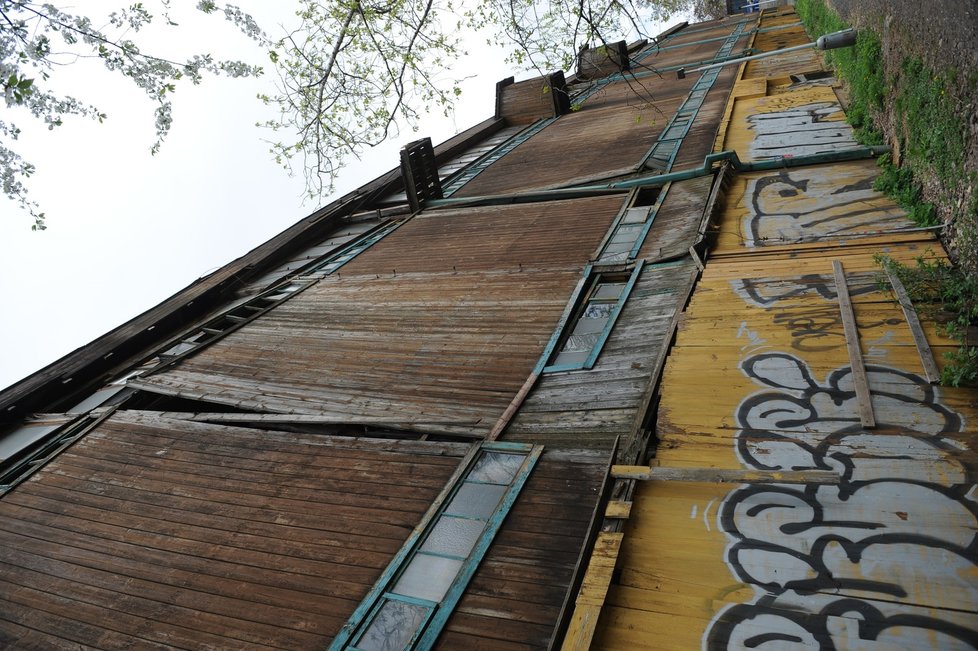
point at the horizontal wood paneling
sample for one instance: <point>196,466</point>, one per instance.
<point>609,133</point>
<point>676,225</point>
<point>526,101</point>
<point>589,408</point>
<point>153,533</point>
<point>578,146</point>
<point>515,596</point>
<point>441,321</point>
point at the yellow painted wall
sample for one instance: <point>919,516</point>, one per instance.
<point>759,378</point>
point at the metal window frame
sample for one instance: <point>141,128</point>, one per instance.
<point>579,299</point>
<point>427,633</point>
<point>653,212</point>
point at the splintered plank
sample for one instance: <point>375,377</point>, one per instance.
<point>593,591</point>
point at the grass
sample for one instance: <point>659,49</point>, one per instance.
<point>930,135</point>
<point>948,295</point>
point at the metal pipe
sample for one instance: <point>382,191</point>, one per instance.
<point>613,187</point>
<point>844,38</point>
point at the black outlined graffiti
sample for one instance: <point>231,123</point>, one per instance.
<point>764,292</point>
<point>807,203</point>
<point>839,620</point>
<point>800,131</point>
<point>816,329</point>
<point>891,550</point>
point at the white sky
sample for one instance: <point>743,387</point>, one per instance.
<point>127,229</point>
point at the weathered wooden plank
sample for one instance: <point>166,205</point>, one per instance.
<point>618,510</point>
<point>923,348</point>
<point>722,475</point>
<point>856,363</point>
<point>591,597</point>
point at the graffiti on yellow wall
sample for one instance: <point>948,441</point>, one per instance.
<point>888,557</point>
<point>800,204</point>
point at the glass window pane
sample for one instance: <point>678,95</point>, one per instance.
<point>453,536</point>
<point>635,215</point>
<point>619,247</point>
<point>427,577</point>
<point>475,500</point>
<point>609,291</point>
<point>598,310</point>
<point>579,343</point>
<point>628,231</point>
<point>591,326</point>
<point>607,257</point>
<point>182,347</point>
<point>571,359</point>
<point>496,467</point>
<point>393,627</point>
<point>19,438</point>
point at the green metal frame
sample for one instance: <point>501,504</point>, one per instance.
<point>346,253</point>
<point>466,174</point>
<point>640,239</point>
<point>605,333</point>
<point>663,153</point>
<point>425,636</point>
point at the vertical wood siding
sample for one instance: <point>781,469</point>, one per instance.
<point>439,324</point>
<point>589,408</point>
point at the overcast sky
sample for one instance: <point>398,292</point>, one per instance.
<point>127,229</point>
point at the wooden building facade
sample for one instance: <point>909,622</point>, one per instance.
<point>611,369</point>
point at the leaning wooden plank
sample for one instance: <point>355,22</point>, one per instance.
<point>513,406</point>
<point>923,348</point>
<point>317,419</point>
<point>636,442</point>
<point>722,475</point>
<point>860,382</point>
<point>593,592</point>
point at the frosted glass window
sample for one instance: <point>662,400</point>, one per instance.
<point>608,291</point>
<point>475,500</point>
<point>393,627</point>
<point>453,536</point>
<point>496,468</point>
<point>427,577</point>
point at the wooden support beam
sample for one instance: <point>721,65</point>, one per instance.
<point>923,348</point>
<point>859,379</point>
<point>594,589</point>
<point>723,475</point>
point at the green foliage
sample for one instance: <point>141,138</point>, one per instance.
<point>899,183</point>
<point>860,66</point>
<point>35,37</point>
<point>949,295</point>
<point>932,133</point>
<point>932,136</point>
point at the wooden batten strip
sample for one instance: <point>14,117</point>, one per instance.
<point>722,475</point>
<point>618,510</point>
<point>635,444</point>
<point>923,348</point>
<point>569,607</point>
<point>594,589</point>
<point>513,407</point>
<point>859,380</point>
<point>313,419</point>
